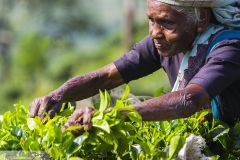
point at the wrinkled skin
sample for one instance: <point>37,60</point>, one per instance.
<point>80,117</point>
<point>178,104</point>
<point>169,29</point>
<point>172,35</point>
<point>76,89</point>
<point>45,104</point>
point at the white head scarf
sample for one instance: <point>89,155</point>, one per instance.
<point>226,12</point>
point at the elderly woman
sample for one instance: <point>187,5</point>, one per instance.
<point>194,41</point>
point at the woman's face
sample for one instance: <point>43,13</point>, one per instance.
<point>170,30</point>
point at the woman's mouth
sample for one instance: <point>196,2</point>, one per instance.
<point>158,45</point>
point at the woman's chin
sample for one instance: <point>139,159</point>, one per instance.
<point>166,53</point>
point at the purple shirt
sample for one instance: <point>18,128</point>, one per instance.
<point>220,75</point>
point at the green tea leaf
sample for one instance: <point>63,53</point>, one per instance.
<point>72,128</point>
<point>54,152</point>
<point>165,127</point>
<point>237,128</point>
<point>214,157</point>
<point>159,92</point>
<point>134,116</point>
<point>66,112</point>
<point>1,118</point>
<point>221,133</point>
<point>75,158</point>
<point>77,143</point>
<point>176,144</point>
<point>102,124</point>
<point>17,131</point>
<point>126,93</point>
<point>108,138</point>
<point>31,123</point>
<point>223,138</point>
<point>80,139</point>
<point>203,114</point>
<point>104,101</point>
<point>34,146</point>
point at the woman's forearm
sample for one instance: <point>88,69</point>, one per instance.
<point>87,85</point>
<point>174,105</point>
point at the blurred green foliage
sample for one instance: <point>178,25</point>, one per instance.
<point>44,43</point>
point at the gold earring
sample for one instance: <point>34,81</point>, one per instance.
<point>199,29</point>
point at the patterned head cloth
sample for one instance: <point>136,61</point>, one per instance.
<point>226,12</point>
<point>199,3</point>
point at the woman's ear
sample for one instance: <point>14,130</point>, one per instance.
<point>204,19</point>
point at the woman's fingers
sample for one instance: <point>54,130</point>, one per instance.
<point>74,119</point>
<point>44,107</point>
<point>54,109</point>
<point>41,106</point>
<point>82,118</point>
<point>88,115</point>
<point>34,107</point>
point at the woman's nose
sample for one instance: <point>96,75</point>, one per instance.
<point>156,31</point>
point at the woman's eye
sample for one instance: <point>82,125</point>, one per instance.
<point>168,24</point>
<point>151,21</point>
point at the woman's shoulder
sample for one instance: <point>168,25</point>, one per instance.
<point>227,50</point>
<point>222,35</point>
<point>225,42</point>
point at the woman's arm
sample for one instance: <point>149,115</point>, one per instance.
<point>173,105</point>
<point>89,84</point>
<point>76,89</point>
<point>178,104</point>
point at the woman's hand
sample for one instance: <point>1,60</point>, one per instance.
<point>50,104</point>
<point>81,117</point>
